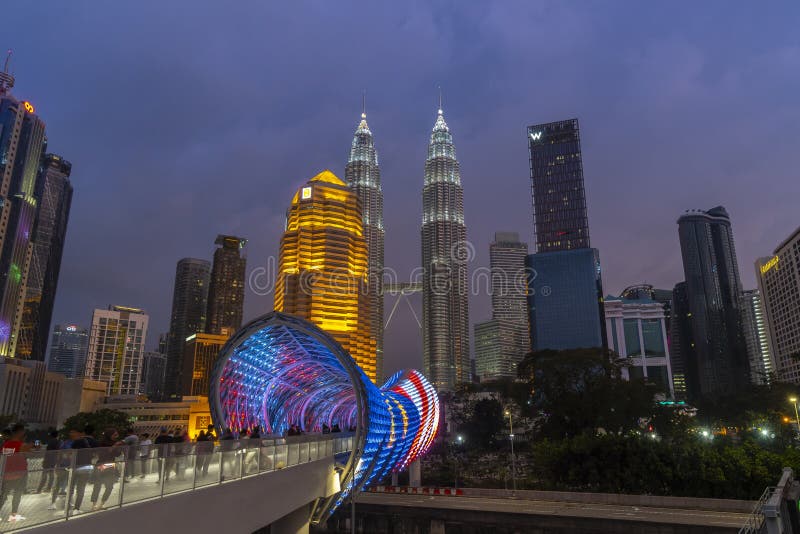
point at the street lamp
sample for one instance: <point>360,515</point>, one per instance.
<point>793,400</point>
<point>513,460</point>
<point>459,441</point>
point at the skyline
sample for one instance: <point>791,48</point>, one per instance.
<point>657,88</point>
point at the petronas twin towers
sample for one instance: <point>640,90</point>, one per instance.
<point>445,252</point>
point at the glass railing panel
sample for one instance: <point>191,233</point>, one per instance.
<point>207,467</point>
<point>179,468</point>
<point>141,481</point>
<point>250,460</point>
<point>294,454</point>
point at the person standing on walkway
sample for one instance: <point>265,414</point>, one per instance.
<point>83,441</point>
<point>163,443</point>
<point>49,462</point>
<point>144,454</point>
<point>131,442</point>
<point>15,471</point>
<point>106,473</point>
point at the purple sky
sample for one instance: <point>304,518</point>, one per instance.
<point>185,119</point>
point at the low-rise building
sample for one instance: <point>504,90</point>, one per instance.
<point>29,392</point>
<point>637,334</point>
<point>191,413</point>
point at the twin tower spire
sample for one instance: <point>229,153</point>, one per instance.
<point>445,251</point>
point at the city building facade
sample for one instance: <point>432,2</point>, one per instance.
<point>22,141</point>
<point>502,342</point>
<point>756,336</point>
<point>80,395</point>
<point>445,254</point>
<point>189,307</point>
<point>190,414</point>
<point>681,342</point>
<point>322,270</point>
<point>154,374</point>
<point>637,334</point>
<point>363,175</point>
<point>200,353</point>
<point>719,361</point>
<point>67,353</point>
<point>226,288</point>
<point>565,300</point>
<point>116,348</point>
<point>779,284</point>
<point>565,293</point>
<point>54,197</point>
<point>29,392</point>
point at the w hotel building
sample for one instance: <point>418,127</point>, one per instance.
<point>779,284</point>
<point>322,271</point>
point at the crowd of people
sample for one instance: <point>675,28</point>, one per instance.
<point>101,458</point>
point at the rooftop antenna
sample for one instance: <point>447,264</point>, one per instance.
<point>6,79</point>
<point>440,100</point>
<point>364,104</point>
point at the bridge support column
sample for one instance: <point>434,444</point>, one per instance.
<point>296,522</point>
<point>415,474</point>
<point>437,526</point>
<point>394,479</point>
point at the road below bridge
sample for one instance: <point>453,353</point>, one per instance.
<point>394,513</point>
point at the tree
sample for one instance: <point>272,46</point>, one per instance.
<point>483,424</point>
<point>581,390</point>
<point>99,420</point>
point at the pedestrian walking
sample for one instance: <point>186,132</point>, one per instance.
<point>15,471</point>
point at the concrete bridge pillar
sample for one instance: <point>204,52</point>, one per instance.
<point>292,523</point>
<point>415,474</point>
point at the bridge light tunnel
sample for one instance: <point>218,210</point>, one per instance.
<point>280,370</point>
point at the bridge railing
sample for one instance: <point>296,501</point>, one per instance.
<point>41,487</point>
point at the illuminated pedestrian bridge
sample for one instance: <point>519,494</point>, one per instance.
<point>280,370</point>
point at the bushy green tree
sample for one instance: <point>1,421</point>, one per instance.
<point>99,420</point>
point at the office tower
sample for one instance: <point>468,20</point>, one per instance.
<point>445,253</point>
<point>22,140</point>
<point>637,332</point>
<point>756,337</point>
<point>363,176</point>
<point>67,354</point>
<point>200,353</point>
<point>116,348</point>
<point>226,289</point>
<point>681,349</point>
<point>720,361</point>
<point>154,369</point>
<point>565,290</point>
<point>54,197</point>
<point>189,306</point>
<point>560,219</point>
<point>502,342</point>
<point>778,279</point>
<point>322,271</point>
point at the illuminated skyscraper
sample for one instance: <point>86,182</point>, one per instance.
<point>67,354</point>
<point>756,335</point>
<point>22,140</point>
<point>445,253</point>
<point>363,176</point>
<point>200,353</point>
<point>778,279</point>
<point>322,271</point>
<point>226,289</point>
<point>116,348</point>
<point>54,197</point>
<point>189,305</point>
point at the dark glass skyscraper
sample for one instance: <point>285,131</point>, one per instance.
<point>226,290</point>
<point>559,201</point>
<point>720,363</point>
<point>54,198</point>
<point>22,140</point>
<point>189,305</point>
<point>445,252</point>
<point>363,176</point>
<point>68,348</point>
<point>565,291</point>
<point>681,350</point>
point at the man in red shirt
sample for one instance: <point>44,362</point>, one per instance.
<point>15,471</point>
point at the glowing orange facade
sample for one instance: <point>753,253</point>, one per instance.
<point>322,274</point>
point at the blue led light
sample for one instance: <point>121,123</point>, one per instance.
<point>280,370</point>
